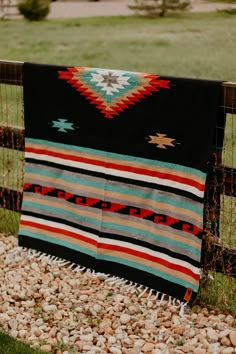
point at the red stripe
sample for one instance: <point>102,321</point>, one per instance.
<point>112,247</point>
<point>175,178</point>
<point>60,231</point>
<point>150,258</point>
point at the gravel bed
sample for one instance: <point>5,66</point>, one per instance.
<point>61,311</point>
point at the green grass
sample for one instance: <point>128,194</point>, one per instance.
<point>218,292</point>
<point>191,45</point>
<point>229,153</point>
<point>9,345</point>
<point>11,104</point>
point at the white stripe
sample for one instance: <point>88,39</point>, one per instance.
<point>98,239</point>
<point>115,172</point>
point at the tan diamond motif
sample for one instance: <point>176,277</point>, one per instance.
<point>161,140</point>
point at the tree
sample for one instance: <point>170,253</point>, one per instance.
<point>34,10</point>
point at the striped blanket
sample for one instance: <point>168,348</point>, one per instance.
<point>115,172</point>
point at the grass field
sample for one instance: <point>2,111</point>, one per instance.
<point>9,345</point>
<point>189,45</point>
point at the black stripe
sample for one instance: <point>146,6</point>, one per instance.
<point>122,180</point>
<point>113,236</point>
<point>115,269</point>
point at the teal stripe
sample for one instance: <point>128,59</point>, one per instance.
<point>111,258</point>
<point>147,234</point>
<point>128,158</point>
<point>111,188</point>
<point>62,212</point>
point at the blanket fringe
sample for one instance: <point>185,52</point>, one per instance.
<point>128,285</point>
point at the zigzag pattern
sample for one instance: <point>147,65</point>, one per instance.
<point>108,206</point>
<point>144,84</point>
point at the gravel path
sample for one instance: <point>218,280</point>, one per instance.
<point>64,312</point>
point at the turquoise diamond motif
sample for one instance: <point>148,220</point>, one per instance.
<point>111,85</point>
<point>62,125</point>
<point>112,91</point>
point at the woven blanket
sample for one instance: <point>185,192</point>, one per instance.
<point>115,172</point>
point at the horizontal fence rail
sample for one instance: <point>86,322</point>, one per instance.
<point>224,177</point>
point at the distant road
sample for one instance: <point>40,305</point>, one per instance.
<point>66,9</point>
<point>85,8</point>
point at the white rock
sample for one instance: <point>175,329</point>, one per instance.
<point>3,245</point>
<point>48,308</point>
<point>65,339</point>
<point>125,318</point>
<point>189,333</point>
<point>214,348</point>
<point>163,347</point>
<point>212,336</point>
<point>228,350</point>
<point>111,340</point>
<point>97,308</point>
<point>58,316</point>
<point>186,348</point>
<point>36,331</point>
<point>79,309</point>
<point>84,298</point>
<point>176,319</point>
<point>135,350</point>
<point>22,333</point>
<point>156,351</point>
<point>149,304</point>
<point>13,323</point>
<point>224,333</point>
<point>128,341</point>
<point>133,309</point>
<point>86,337</point>
<point>139,342</point>
<point>9,259</point>
<point>115,350</point>
<point>148,347</point>
<point>199,351</point>
<point>14,333</point>
<point>34,266</point>
<point>203,341</point>
<point>4,317</point>
<point>118,297</point>
<point>39,322</point>
<point>28,303</point>
<point>46,348</point>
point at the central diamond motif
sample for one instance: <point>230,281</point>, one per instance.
<point>112,91</point>
<point>110,83</point>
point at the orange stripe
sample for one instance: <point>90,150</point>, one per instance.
<point>122,249</point>
<point>105,164</point>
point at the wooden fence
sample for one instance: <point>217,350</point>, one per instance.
<point>221,180</point>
